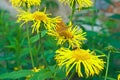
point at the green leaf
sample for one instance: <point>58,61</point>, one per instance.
<point>34,38</point>
<point>37,36</point>
<point>100,52</point>
<point>41,75</point>
<point>6,58</point>
<point>10,46</point>
<point>115,16</point>
<point>110,78</point>
<point>51,5</point>
<point>59,74</point>
<point>24,52</point>
<point>16,74</point>
<point>49,55</point>
<point>118,71</point>
<point>43,33</point>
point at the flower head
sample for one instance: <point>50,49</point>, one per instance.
<point>80,3</point>
<point>72,35</point>
<point>78,58</point>
<point>37,18</point>
<point>28,3</point>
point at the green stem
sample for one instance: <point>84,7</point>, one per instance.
<point>41,48</point>
<point>108,59</point>
<point>56,67</point>
<point>42,51</point>
<point>73,11</point>
<point>29,45</point>
<point>71,76</point>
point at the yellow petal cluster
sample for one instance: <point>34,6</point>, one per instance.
<point>72,35</point>
<point>25,3</point>
<point>79,58</point>
<point>80,3</point>
<point>37,18</point>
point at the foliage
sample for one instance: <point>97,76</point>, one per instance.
<point>16,63</point>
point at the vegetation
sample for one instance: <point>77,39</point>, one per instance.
<point>47,51</point>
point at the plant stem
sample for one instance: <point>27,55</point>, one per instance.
<point>29,45</point>
<point>71,76</point>
<point>42,51</point>
<point>108,59</point>
<point>73,11</point>
<point>55,71</point>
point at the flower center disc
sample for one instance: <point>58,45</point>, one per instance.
<point>80,55</point>
<point>39,16</point>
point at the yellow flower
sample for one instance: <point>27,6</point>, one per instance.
<point>35,69</point>
<point>80,3</point>
<point>23,3</point>
<point>37,18</point>
<point>79,58</point>
<point>72,35</point>
<point>38,69</point>
<point>118,77</point>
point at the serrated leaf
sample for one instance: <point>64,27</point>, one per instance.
<point>16,74</point>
